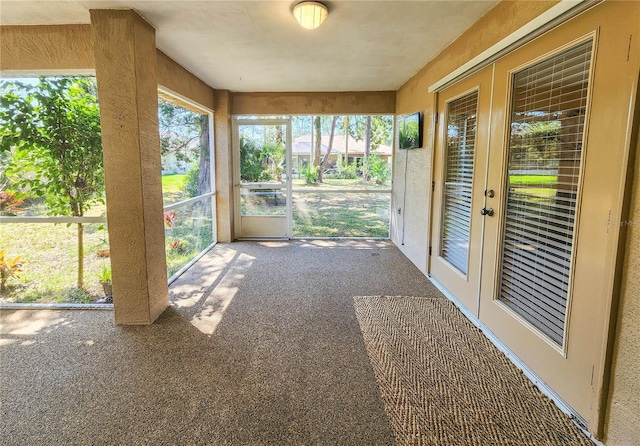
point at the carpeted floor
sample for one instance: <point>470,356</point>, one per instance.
<point>444,383</point>
<point>261,346</point>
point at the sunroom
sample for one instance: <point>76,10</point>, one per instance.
<point>518,200</point>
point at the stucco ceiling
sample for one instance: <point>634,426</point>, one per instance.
<point>258,46</point>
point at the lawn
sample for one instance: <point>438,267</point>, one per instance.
<point>341,215</point>
<point>173,188</point>
<point>49,250</point>
<point>49,253</point>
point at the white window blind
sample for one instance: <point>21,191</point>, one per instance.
<point>549,102</point>
<point>458,181</point>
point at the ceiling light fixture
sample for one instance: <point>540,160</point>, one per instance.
<point>310,15</point>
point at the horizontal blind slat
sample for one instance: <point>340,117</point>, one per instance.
<point>545,154</point>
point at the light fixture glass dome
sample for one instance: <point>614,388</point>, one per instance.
<point>310,15</point>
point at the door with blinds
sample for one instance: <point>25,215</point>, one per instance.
<point>461,153</point>
<point>531,240</point>
<point>545,200</point>
<point>557,163</point>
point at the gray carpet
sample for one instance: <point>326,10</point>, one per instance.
<point>444,383</point>
<point>261,346</point>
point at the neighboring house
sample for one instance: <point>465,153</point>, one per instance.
<point>302,150</point>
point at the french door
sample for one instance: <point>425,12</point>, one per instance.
<point>463,137</point>
<point>521,231</point>
<point>263,178</point>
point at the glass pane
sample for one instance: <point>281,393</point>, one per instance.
<point>188,231</point>
<point>318,214</point>
<point>52,171</point>
<point>333,158</point>
<point>185,152</point>
<point>343,147</point>
<point>46,263</point>
<point>263,170</point>
<point>260,202</point>
<point>458,181</point>
<point>545,152</point>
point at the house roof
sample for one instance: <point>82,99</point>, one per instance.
<point>257,46</point>
<point>302,145</point>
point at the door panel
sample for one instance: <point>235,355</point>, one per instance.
<point>263,190</point>
<point>549,253</point>
<point>559,125</point>
<point>461,153</point>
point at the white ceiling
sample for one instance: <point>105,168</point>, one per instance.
<point>258,46</point>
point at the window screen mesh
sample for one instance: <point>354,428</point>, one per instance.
<point>549,102</point>
<point>461,141</point>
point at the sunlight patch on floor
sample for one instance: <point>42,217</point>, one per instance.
<point>207,319</point>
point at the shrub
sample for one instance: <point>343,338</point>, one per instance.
<point>377,169</point>
<point>347,171</point>
<point>191,183</point>
<point>10,203</point>
<point>311,174</point>
<point>8,268</point>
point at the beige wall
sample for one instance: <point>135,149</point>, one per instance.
<point>65,48</point>
<point>377,102</point>
<point>69,49</point>
<point>224,168</point>
<point>622,425</point>
<point>410,229</point>
<point>623,417</point>
<point>173,77</point>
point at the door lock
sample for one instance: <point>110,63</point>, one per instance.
<point>487,211</point>
<point>489,193</point>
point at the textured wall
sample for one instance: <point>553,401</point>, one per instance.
<point>224,167</point>
<point>65,48</point>
<point>412,192</point>
<point>181,82</point>
<point>623,418</point>
<point>127,85</point>
<point>376,102</point>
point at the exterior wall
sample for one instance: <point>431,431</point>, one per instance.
<point>180,82</point>
<point>621,421</point>
<point>624,399</point>
<point>378,102</point>
<point>410,230</point>
<point>56,48</point>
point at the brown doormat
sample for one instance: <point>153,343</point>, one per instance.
<point>444,383</point>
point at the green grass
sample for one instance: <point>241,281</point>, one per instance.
<point>173,182</point>
<point>49,252</point>
<point>533,179</point>
<point>172,188</point>
<point>341,215</point>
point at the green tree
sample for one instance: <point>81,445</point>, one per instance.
<point>180,130</point>
<point>52,131</point>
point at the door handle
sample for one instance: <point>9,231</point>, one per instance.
<point>487,211</point>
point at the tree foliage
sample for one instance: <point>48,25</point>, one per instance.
<point>52,132</point>
<point>180,131</point>
<point>261,162</point>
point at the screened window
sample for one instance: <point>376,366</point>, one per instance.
<point>461,142</point>
<point>548,112</point>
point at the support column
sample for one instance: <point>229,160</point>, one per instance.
<point>224,167</point>
<point>125,54</point>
